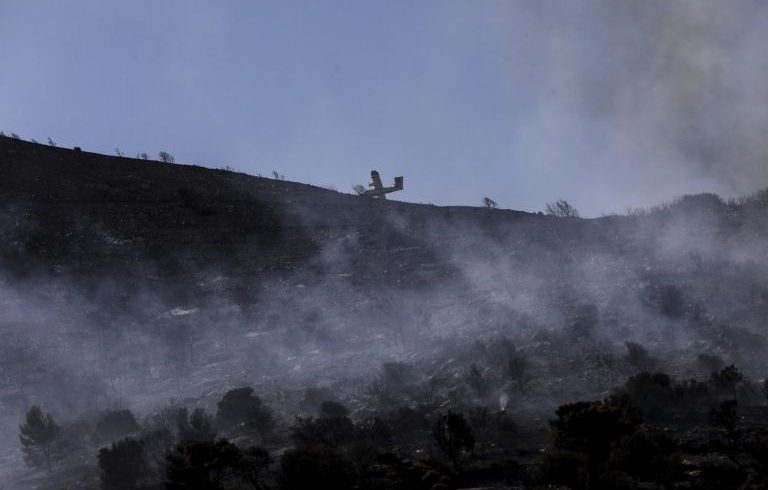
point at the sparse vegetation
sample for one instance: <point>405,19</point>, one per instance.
<point>166,157</point>
<point>489,203</point>
<point>561,209</point>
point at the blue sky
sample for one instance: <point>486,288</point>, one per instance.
<point>607,104</point>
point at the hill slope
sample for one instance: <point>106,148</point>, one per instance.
<point>130,280</point>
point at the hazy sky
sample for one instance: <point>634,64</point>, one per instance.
<point>608,104</point>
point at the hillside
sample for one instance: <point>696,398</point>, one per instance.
<point>130,282</point>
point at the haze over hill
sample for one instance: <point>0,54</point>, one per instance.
<point>128,283</point>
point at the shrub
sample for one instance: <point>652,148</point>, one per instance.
<point>561,209</point>
<point>489,203</point>
<point>166,157</point>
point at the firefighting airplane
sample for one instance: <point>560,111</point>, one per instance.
<point>379,191</point>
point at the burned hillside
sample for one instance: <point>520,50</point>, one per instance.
<point>128,284</point>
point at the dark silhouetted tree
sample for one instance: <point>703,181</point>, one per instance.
<point>454,437</point>
<point>253,465</point>
<point>726,417</point>
<point>561,208</point>
<point>359,189</point>
<point>115,424</point>
<point>489,203</point>
<point>122,465</point>
<point>727,379</point>
<point>209,465</point>
<point>157,443</point>
<point>197,427</point>
<point>202,465</point>
<point>39,435</point>
<point>166,157</point>
<point>589,431</point>
<point>241,409</point>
